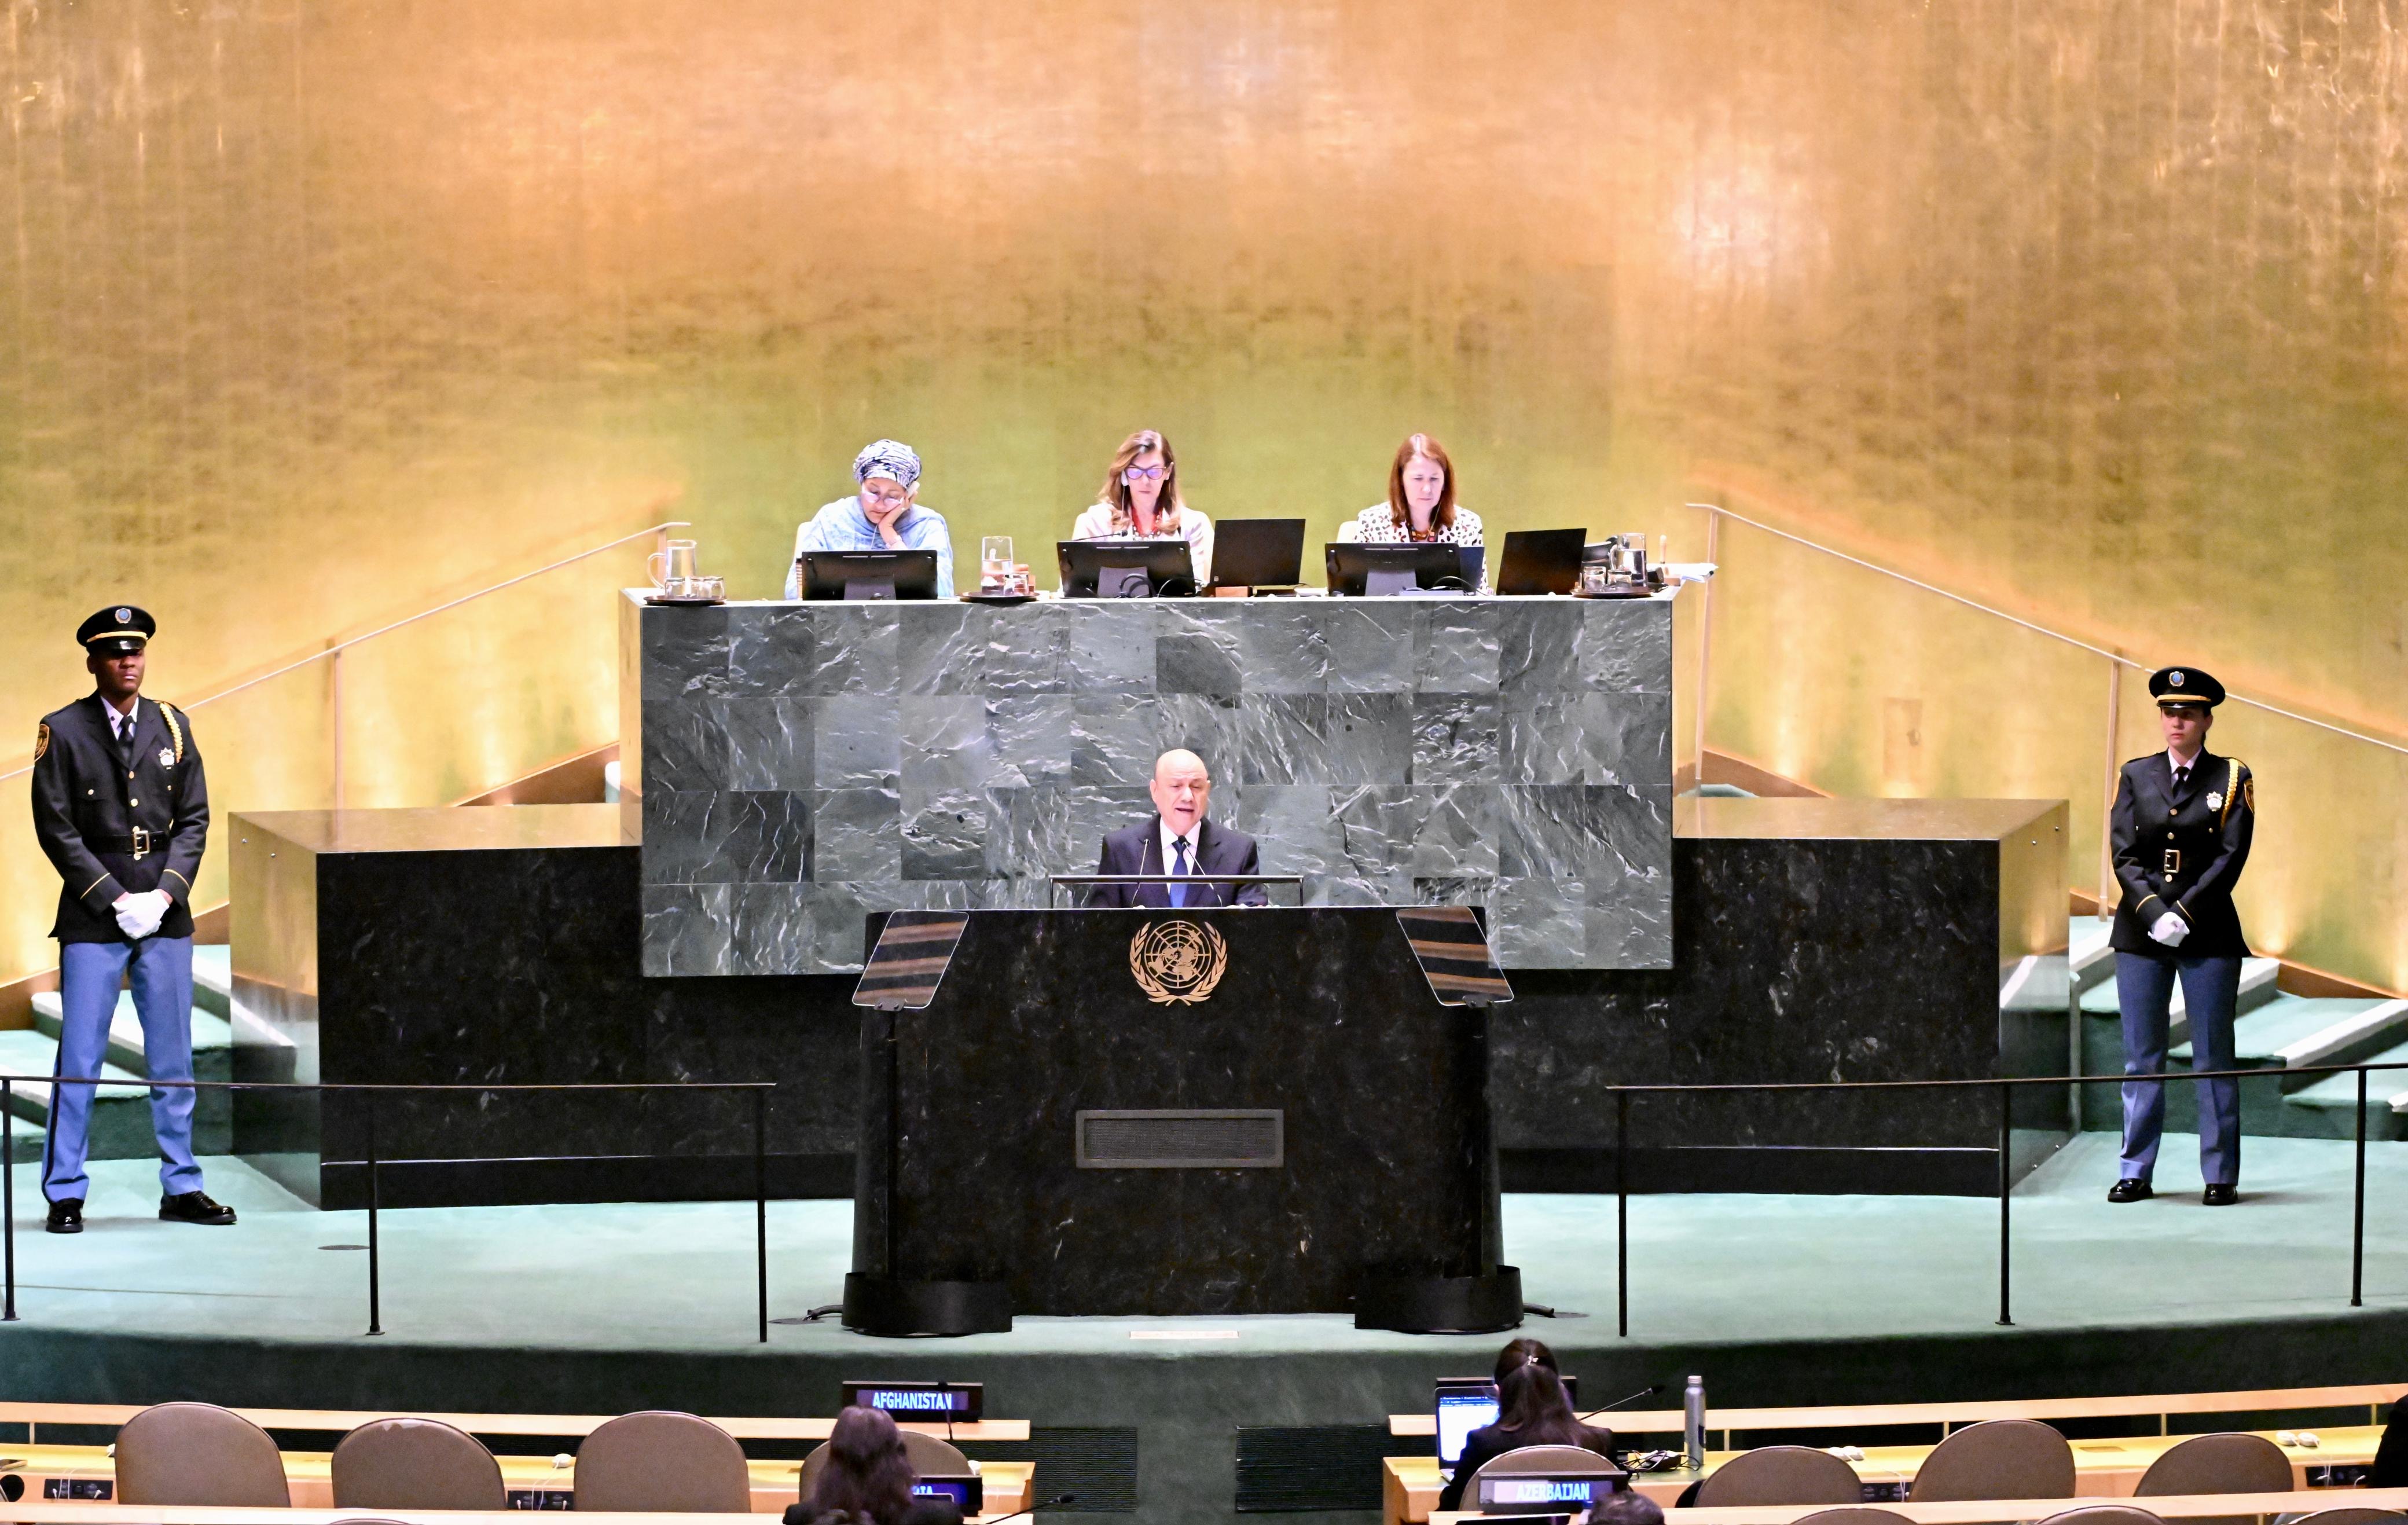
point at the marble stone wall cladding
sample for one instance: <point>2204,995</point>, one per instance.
<point>805,764</point>
<point>521,966</point>
<point>1794,959</point>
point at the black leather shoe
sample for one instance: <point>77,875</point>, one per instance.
<point>2219,1194</point>
<point>194,1207</point>
<point>66,1217</point>
<point>2130,1191</point>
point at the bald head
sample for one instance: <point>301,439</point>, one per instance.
<point>1182,788</point>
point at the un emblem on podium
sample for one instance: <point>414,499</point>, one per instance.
<point>1178,963</point>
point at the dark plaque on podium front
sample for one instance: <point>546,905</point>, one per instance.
<point>1199,1112</point>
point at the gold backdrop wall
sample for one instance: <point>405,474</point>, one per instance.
<point>318,312</point>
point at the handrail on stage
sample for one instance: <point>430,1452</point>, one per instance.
<point>338,647</point>
<point>2116,657</point>
<point>759,1090</point>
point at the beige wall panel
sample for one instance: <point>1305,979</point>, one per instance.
<point>312,315</point>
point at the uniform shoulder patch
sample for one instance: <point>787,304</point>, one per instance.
<point>41,740</point>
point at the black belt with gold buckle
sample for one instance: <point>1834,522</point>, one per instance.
<point>141,843</point>
<point>2174,861</point>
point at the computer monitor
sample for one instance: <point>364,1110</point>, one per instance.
<point>966,1490</point>
<point>920,1402</point>
<point>856,575</point>
<point>1355,569</point>
<point>1257,552</point>
<point>1136,567</point>
<point>1465,1403</point>
<point>1541,561</point>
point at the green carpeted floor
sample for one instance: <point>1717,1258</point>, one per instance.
<point>1777,1300</point>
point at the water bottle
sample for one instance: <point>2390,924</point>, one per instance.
<point>1692,1424</point>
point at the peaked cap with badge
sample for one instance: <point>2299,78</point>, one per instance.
<point>2180,846</point>
<point>119,816</point>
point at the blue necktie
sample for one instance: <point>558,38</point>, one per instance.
<point>1179,866</point>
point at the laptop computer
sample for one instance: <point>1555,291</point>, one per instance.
<point>1465,1403</point>
<point>1541,561</point>
<point>1257,552</point>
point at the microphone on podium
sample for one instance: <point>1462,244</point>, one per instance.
<point>1056,1499</point>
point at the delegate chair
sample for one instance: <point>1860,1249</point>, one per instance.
<point>1780,1475</point>
<point>1857,1515</point>
<point>930,1457</point>
<point>660,1463</point>
<point>2235,1463</point>
<point>416,1464</point>
<point>1558,1460</point>
<point>1998,1459</point>
<point>2104,1514</point>
<point>2356,1514</point>
<point>198,1454</point>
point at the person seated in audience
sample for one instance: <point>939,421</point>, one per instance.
<point>2390,1469</point>
<point>1421,507</point>
<point>1140,499</point>
<point>1624,1507</point>
<point>867,1480</point>
<point>886,515</point>
<point>1531,1410</point>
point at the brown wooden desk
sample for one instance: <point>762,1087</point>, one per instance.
<point>1009,1486</point>
<point>1409,1486</point>
<point>2261,1506</point>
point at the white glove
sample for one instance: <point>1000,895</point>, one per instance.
<point>139,915</point>
<point>2170,929</point>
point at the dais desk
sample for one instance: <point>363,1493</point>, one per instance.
<point>2102,1468</point>
<point>535,1482</point>
<point>801,765</point>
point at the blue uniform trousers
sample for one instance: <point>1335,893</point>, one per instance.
<point>2144,993</point>
<point>89,973</point>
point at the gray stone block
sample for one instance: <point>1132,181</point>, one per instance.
<point>805,764</point>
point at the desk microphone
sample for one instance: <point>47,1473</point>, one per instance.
<point>1643,1392</point>
<point>1058,1498</point>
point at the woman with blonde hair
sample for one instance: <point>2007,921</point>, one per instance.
<point>1421,504</point>
<point>1140,499</point>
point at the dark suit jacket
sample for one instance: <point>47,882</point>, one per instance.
<point>923,1512</point>
<point>2390,1469</point>
<point>2181,851</point>
<point>1491,1441</point>
<point>1137,849</point>
<point>90,794</point>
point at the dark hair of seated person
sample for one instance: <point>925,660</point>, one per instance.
<point>2390,1468</point>
<point>1531,1410</point>
<point>1625,1507</point>
<point>868,1479</point>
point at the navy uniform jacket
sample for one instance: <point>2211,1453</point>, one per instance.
<point>91,797</point>
<point>1137,849</point>
<point>2182,852</point>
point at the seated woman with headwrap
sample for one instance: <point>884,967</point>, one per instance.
<point>886,515</point>
<point>1140,497</point>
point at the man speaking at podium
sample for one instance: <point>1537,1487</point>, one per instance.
<point>1178,839</point>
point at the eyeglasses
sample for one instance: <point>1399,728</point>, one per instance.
<point>901,495</point>
<point>1145,473</point>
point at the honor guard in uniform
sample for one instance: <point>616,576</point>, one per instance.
<point>121,808</point>
<point>2181,833</point>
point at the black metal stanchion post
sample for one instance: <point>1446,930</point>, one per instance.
<point>1621,1211</point>
<point>9,1196</point>
<point>2358,1217</point>
<point>2006,1175</point>
<point>376,1325</point>
<point>761,1205</point>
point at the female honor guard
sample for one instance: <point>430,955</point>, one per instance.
<point>122,810</point>
<point>2181,833</point>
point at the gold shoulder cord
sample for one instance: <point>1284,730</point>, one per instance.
<point>174,730</point>
<point>2231,788</point>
